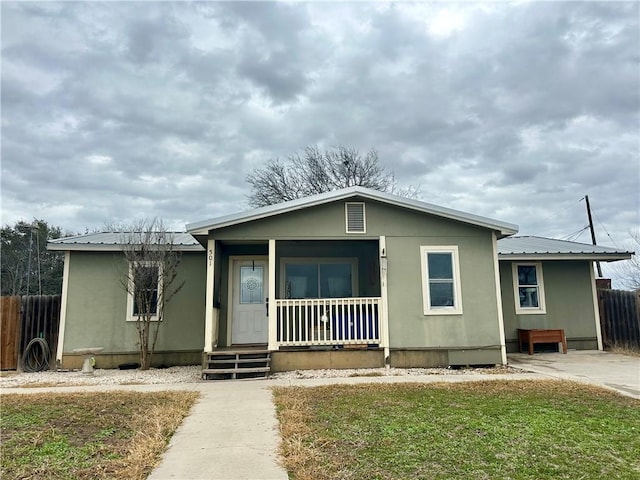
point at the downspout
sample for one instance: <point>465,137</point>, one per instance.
<point>596,308</point>
<point>496,267</point>
<point>63,308</point>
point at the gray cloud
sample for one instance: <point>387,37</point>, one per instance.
<point>113,111</point>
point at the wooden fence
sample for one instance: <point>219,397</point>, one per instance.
<point>620,318</point>
<point>24,318</point>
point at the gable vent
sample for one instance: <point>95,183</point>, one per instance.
<point>356,221</point>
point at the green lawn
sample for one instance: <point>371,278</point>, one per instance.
<point>117,435</point>
<point>480,430</point>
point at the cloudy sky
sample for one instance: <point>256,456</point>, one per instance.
<point>116,111</point>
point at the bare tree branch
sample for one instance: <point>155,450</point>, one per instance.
<point>316,172</point>
<point>628,271</point>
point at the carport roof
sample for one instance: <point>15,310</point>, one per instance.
<point>538,248</point>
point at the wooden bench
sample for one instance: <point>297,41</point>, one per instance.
<point>533,336</point>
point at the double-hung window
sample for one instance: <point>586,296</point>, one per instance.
<point>528,288</point>
<point>144,291</point>
<point>441,293</point>
<point>319,278</point>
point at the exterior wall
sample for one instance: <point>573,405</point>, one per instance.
<point>569,304</point>
<point>477,326</point>
<point>96,312</point>
<point>461,336</point>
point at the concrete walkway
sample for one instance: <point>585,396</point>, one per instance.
<point>231,433</point>
<point>617,372</point>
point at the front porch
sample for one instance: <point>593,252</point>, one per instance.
<point>325,295</point>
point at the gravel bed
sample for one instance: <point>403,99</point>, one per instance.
<point>191,374</point>
<point>393,372</point>
<point>188,374</point>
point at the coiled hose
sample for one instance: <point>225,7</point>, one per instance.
<point>36,356</point>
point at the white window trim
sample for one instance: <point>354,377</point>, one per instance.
<point>456,309</point>
<point>353,261</point>
<point>364,218</point>
<point>541,308</point>
<point>130,316</point>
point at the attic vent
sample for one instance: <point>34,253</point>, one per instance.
<point>356,222</point>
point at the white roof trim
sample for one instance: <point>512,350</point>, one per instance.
<point>203,227</point>
<point>541,248</point>
<point>566,256</point>
<point>112,242</point>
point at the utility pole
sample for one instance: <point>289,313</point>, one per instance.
<point>593,232</point>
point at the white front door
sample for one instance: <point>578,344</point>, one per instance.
<point>250,323</point>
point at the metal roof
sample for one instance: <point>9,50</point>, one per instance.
<point>113,241</point>
<point>531,248</point>
<point>203,227</point>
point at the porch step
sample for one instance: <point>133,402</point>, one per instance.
<point>236,364</point>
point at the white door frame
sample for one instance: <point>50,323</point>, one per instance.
<point>232,259</point>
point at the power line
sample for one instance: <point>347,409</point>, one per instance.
<point>605,228</point>
<point>575,234</point>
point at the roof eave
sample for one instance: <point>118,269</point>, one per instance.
<point>599,257</point>
<point>83,247</point>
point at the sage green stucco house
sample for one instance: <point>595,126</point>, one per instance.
<point>352,277</point>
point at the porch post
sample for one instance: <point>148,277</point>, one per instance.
<point>211,320</point>
<point>384,309</point>
<point>273,312</point>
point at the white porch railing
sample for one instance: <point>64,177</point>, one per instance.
<point>328,321</point>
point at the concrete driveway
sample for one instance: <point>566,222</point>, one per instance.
<point>609,370</point>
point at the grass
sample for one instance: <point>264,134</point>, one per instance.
<point>478,430</point>
<point>116,435</point>
<point>628,350</point>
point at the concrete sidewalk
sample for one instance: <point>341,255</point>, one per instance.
<point>610,370</point>
<point>231,433</point>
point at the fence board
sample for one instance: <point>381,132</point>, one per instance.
<point>23,319</point>
<point>9,331</point>
<point>620,318</point>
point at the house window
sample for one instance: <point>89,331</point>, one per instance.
<point>355,217</point>
<point>441,293</point>
<point>319,278</point>
<point>528,288</point>
<point>144,291</point>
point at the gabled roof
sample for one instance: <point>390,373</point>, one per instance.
<point>540,248</point>
<point>202,228</point>
<point>112,241</point>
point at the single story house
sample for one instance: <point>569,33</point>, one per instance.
<point>348,278</point>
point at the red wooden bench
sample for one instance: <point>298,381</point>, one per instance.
<point>533,336</point>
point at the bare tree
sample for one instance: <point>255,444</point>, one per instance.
<point>150,278</point>
<point>316,172</point>
<point>628,271</point>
